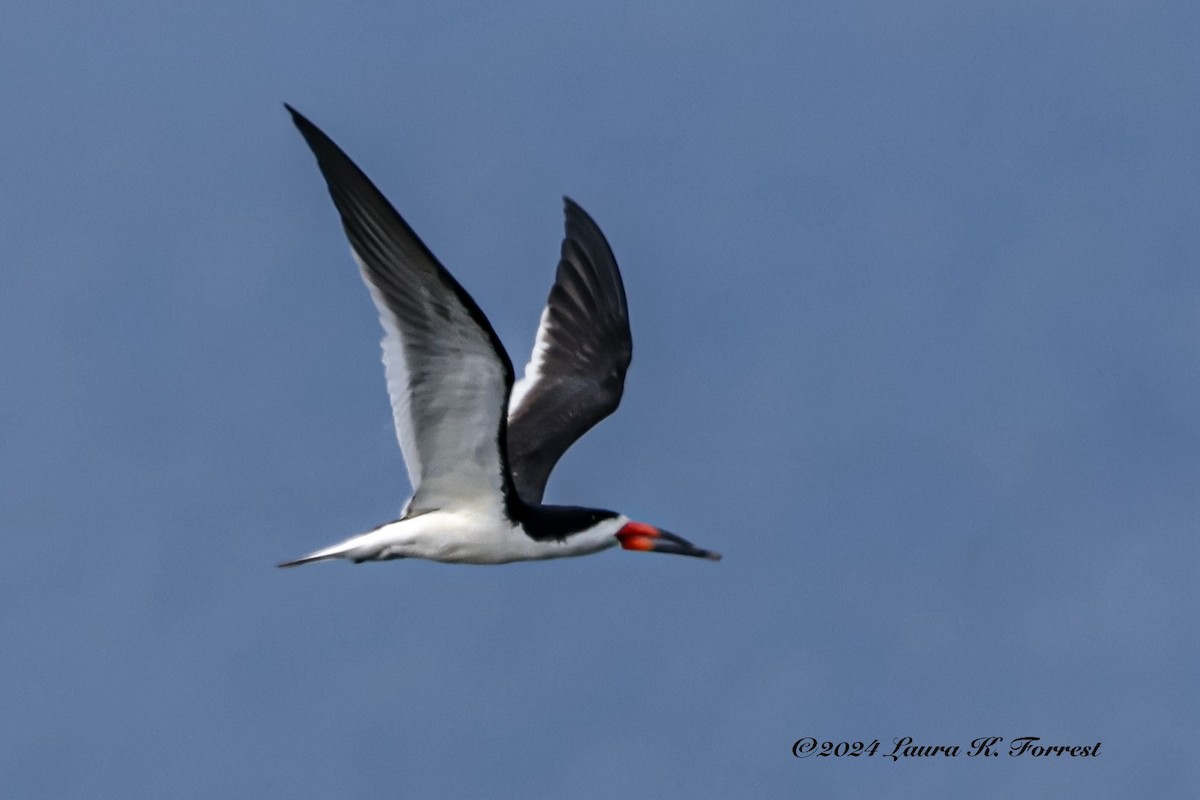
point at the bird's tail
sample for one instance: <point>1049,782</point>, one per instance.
<point>306,560</point>
<point>339,550</point>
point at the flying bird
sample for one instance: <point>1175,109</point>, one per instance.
<point>478,448</point>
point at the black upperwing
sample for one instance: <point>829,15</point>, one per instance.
<point>576,374</point>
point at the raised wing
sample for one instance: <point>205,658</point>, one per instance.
<point>576,374</point>
<point>447,373</point>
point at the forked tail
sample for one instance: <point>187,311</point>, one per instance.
<point>339,550</point>
<point>306,560</point>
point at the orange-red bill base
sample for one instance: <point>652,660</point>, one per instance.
<point>640,536</point>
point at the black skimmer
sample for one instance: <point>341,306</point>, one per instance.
<point>478,449</point>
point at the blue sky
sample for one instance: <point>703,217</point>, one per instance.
<point>916,312</point>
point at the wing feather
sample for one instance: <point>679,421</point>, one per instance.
<point>576,373</point>
<point>448,375</point>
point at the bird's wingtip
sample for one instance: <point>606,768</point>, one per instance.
<point>298,119</point>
